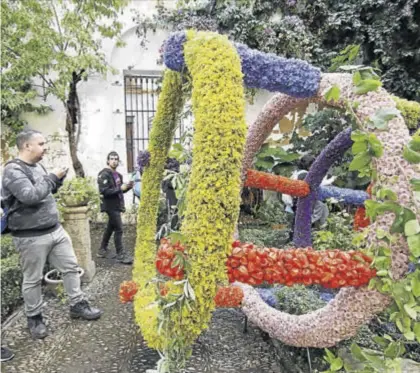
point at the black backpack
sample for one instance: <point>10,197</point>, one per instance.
<point>12,204</point>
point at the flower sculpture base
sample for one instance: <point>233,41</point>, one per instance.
<point>254,265</point>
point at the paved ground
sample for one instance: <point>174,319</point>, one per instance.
<point>113,343</point>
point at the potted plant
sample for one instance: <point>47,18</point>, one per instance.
<point>77,192</point>
<point>54,282</point>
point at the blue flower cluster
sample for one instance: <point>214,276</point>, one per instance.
<point>173,55</point>
<point>268,295</point>
<point>326,297</point>
<point>348,196</point>
<point>261,70</point>
<point>293,77</point>
<point>143,160</point>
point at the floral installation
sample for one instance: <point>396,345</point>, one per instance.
<point>268,295</point>
<point>128,289</point>
<point>352,306</point>
<point>293,77</point>
<point>276,108</point>
<point>229,297</point>
<point>169,106</point>
<point>173,52</point>
<point>300,188</point>
<point>255,265</point>
<point>266,181</point>
<point>324,327</point>
<point>143,161</point>
<point>334,151</point>
<point>348,196</point>
<point>218,143</point>
<point>360,219</point>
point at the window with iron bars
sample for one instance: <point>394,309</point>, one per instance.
<point>141,95</point>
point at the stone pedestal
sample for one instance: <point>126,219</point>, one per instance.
<point>76,223</point>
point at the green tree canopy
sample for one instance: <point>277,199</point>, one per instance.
<point>59,43</point>
<point>388,32</point>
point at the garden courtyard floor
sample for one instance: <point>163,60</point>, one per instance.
<point>114,344</point>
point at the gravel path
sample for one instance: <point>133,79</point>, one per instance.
<point>114,344</point>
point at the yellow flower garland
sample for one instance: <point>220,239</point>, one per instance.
<point>213,195</point>
<point>169,105</point>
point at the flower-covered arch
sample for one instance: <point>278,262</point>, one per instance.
<point>221,156</point>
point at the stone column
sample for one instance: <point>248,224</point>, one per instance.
<point>76,223</point>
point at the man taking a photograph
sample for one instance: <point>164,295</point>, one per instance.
<point>32,218</point>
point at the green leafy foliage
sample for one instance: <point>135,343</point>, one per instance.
<point>337,234</point>
<point>298,300</point>
<point>51,46</point>
<point>354,31</point>
<point>365,147</point>
<point>7,247</point>
<point>11,282</point>
<point>264,236</point>
<point>412,149</point>
<point>276,160</point>
<point>78,191</point>
<point>410,111</point>
<point>333,94</point>
<point>324,126</point>
<point>382,117</point>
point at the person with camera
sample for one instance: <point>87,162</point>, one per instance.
<point>33,220</point>
<point>112,189</point>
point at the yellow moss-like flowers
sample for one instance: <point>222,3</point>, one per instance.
<point>410,110</point>
<point>213,195</point>
<point>169,106</point>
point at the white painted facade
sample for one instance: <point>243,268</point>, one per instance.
<point>102,101</point>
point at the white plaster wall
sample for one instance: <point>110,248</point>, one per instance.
<point>102,101</point>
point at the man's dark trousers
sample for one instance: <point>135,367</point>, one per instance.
<point>114,226</point>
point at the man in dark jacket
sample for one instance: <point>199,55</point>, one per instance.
<point>111,187</point>
<point>32,218</point>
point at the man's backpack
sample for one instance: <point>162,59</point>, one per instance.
<point>12,204</point>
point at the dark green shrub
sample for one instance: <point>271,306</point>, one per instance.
<point>11,281</point>
<point>298,300</point>
<point>264,237</point>
<point>7,247</point>
<point>337,234</point>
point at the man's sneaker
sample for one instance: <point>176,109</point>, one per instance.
<point>102,253</point>
<point>6,354</point>
<point>124,258</point>
<point>37,327</point>
<point>83,310</point>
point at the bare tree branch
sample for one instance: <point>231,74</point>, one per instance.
<point>58,23</point>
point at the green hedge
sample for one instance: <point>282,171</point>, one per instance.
<point>11,281</point>
<point>7,247</point>
<point>264,237</point>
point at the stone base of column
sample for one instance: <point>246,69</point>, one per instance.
<point>76,223</point>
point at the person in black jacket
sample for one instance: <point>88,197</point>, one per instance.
<point>111,187</point>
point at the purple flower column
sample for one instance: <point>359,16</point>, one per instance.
<point>334,151</point>
<point>291,76</point>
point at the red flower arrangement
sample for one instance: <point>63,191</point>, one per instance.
<point>266,181</point>
<point>360,219</point>
<point>128,290</point>
<point>229,296</point>
<point>331,268</point>
<point>165,257</point>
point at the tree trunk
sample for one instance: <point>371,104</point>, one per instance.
<point>73,124</point>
